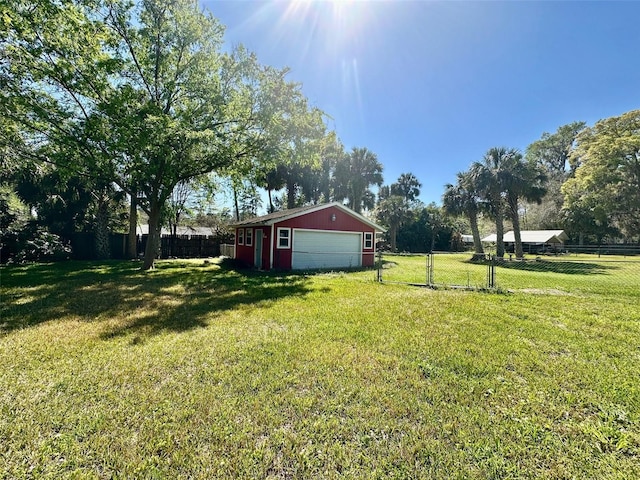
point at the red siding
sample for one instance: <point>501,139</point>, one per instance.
<point>246,254</point>
<point>281,256</point>
<point>321,220</point>
<point>243,253</point>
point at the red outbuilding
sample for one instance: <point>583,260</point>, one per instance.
<point>316,236</point>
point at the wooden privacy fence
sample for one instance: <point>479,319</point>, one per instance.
<point>189,246</point>
<point>83,245</point>
<point>181,246</point>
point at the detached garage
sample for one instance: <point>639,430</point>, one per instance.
<point>306,238</point>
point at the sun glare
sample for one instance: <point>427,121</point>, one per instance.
<point>333,34</point>
<point>338,23</point>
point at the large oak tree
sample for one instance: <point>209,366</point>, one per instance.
<point>140,94</point>
<point>605,190</point>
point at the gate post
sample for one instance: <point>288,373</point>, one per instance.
<point>379,276</point>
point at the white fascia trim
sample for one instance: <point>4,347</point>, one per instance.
<point>325,231</point>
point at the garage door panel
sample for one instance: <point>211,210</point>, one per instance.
<point>313,249</point>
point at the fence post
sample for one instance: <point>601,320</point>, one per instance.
<point>430,269</point>
<point>491,272</point>
<point>379,265</point>
<point>427,269</point>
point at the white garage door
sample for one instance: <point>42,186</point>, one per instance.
<point>313,249</point>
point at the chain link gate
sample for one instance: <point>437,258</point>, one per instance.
<point>433,272</point>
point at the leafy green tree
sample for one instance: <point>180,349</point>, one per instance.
<point>141,94</point>
<point>354,174</point>
<point>437,224</point>
<point>463,199</point>
<point>553,150</point>
<point>396,202</point>
<point>547,214</point>
<point>589,222</point>
<point>297,140</point>
<point>177,206</point>
<point>605,190</point>
<point>246,199</point>
<point>425,230</point>
<point>66,203</point>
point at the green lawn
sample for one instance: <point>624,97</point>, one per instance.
<point>197,371</point>
<point>581,274</point>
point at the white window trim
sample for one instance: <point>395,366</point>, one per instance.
<point>278,246</point>
<point>241,236</point>
<point>248,237</point>
<point>368,238</point>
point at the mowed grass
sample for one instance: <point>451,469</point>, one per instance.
<point>581,274</point>
<point>198,371</point>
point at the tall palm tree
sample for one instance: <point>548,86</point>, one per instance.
<point>521,180</point>
<point>503,179</point>
<point>463,199</point>
<point>488,175</point>
<point>353,175</point>
<point>271,180</point>
<point>393,211</point>
<point>407,186</point>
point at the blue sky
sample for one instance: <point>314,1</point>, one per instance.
<point>431,86</point>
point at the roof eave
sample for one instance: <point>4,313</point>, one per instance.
<point>347,210</point>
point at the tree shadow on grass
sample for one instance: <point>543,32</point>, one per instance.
<point>177,296</point>
<point>559,266</point>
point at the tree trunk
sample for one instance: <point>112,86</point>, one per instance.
<point>291,194</point>
<point>235,203</point>
<point>515,219</point>
<point>475,231</point>
<point>102,230</point>
<point>271,208</point>
<point>153,240</point>
<point>132,238</point>
<point>356,201</point>
<point>173,227</point>
<point>499,234</point>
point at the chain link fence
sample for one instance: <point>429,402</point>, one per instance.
<point>568,272</point>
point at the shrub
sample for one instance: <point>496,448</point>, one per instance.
<point>36,243</point>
